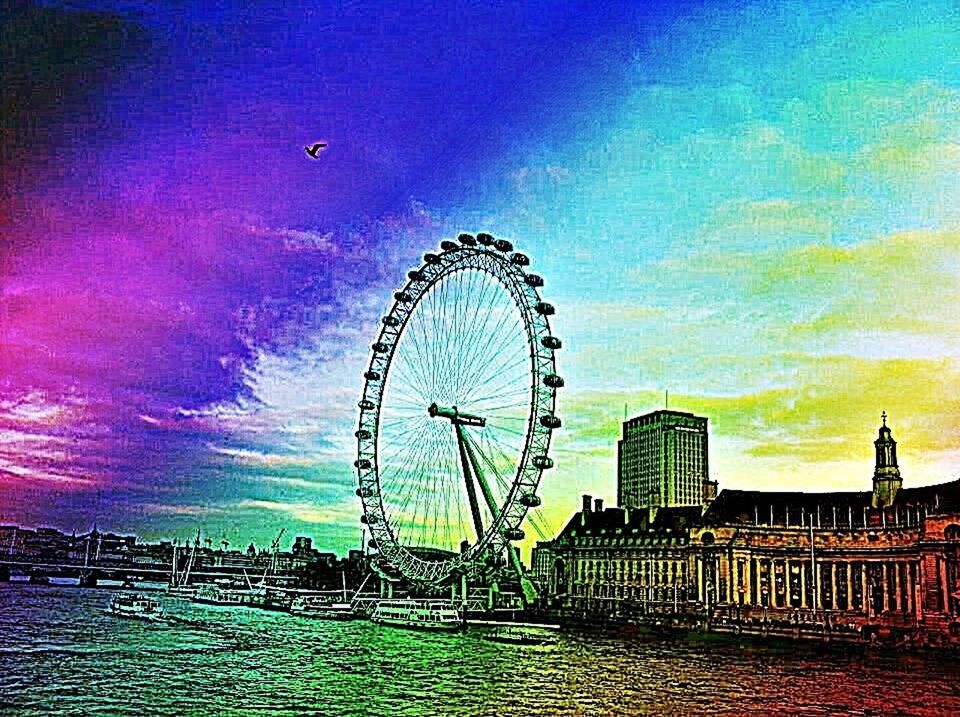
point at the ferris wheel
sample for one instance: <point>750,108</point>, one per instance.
<point>457,411</point>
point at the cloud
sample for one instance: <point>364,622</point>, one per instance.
<point>826,411</point>
<point>330,514</point>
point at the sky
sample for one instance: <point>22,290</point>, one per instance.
<point>753,206</point>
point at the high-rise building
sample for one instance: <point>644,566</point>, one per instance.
<point>662,461</point>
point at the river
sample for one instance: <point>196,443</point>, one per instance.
<point>62,652</point>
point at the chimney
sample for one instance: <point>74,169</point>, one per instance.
<point>586,503</point>
<point>598,505</point>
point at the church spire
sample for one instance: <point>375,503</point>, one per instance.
<point>886,474</point>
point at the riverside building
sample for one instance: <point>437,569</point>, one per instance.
<point>874,564</point>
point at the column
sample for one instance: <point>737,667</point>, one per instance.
<point>908,593</point>
<point>944,591</point>
<point>833,584</point>
<point>850,605</point>
<point>886,583</point>
<point>701,588</point>
<point>897,587</point>
<point>803,584</point>
<point>735,578</point>
<point>817,575</point>
<point>865,593</point>
<point>786,583</point>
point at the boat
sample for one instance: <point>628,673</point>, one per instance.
<point>317,606</point>
<point>64,580</point>
<point>521,635</point>
<point>180,581</point>
<point>219,595</point>
<point>418,615</point>
<point>137,607</point>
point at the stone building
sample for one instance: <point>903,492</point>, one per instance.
<point>858,560</point>
<point>849,564</point>
<point>617,563</point>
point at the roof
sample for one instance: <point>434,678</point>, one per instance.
<point>610,519</point>
<point>746,506</point>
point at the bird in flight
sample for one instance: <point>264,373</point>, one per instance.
<point>316,149</point>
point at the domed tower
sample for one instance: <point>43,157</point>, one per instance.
<point>886,475</point>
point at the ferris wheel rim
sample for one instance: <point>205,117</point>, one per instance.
<point>496,260</point>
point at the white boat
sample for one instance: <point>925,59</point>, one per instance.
<point>220,595</point>
<point>319,607</point>
<point>136,606</point>
<point>64,580</point>
<point>418,615</point>
<point>521,635</point>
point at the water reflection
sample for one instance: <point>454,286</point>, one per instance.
<point>60,650</point>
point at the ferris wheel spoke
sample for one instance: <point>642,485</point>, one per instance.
<point>481,359</point>
<point>496,390</point>
<point>413,493</point>
<point>474,328</point>
<point>493,363</point>
<point>409,370</point>
<point>407,469</point>
<point>413,360</point>
<point>492,454</point>
<point>490,469</point>
<point>486,405</point>
<point>483,339</point>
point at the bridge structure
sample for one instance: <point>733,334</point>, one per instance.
<point>91,574</point>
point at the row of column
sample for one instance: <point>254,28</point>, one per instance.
<point>895,585</point>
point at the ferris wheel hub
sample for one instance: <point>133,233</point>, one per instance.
<point>457,418</point>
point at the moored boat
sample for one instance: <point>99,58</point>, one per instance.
<point>219,595</point>
<point>418,615</point>
<point>521,635</point>
<point>316,607</point>
<point>137,607</point>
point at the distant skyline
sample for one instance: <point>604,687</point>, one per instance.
<point>755,206</point>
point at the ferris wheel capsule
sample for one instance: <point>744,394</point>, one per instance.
<point>503,245</point>
<point>485,239</point>
<point>530,500</point>
<point>550,421</point>
<point>467,240</point>
<point>534,280</point>
<point>553,381</point>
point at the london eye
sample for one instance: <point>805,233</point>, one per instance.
<point>457,412</point>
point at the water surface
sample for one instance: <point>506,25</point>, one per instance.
<point>60,651</point>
